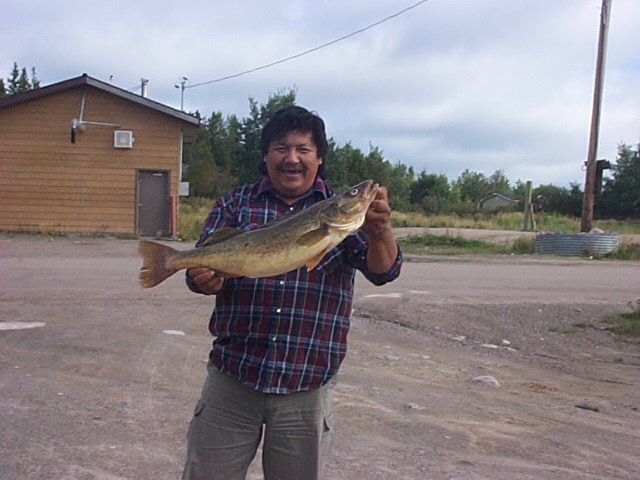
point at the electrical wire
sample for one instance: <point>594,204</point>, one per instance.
<point>311,50</point>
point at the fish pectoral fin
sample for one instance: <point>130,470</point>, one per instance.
<point>312,237</point>
<point>313,261</point>
<point>220,236</point>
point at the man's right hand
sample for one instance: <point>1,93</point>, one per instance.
<point>206,280</point>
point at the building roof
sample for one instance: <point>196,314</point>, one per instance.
<point>498,195</point>
<point>84,79</point>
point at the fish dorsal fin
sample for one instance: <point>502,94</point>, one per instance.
<point>313,262</point>
<point>221,235</point>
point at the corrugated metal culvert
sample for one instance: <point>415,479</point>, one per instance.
<point>576,245</point>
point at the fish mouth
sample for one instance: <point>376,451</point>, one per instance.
<point>369,190</point>
<point>373,189</point>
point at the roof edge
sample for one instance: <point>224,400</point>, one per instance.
<point>85,79</point>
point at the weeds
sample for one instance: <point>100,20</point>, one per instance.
<point>514,221</point>
<point>626,251</point>
<point>627,323</point>
<point>523,246</point>
<point>448,245</point>
<point>193,212</point>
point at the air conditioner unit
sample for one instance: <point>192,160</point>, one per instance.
<point>123,139</point>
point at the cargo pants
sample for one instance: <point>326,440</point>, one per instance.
<point>229,422</point>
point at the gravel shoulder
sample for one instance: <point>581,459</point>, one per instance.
<point>465,367</point>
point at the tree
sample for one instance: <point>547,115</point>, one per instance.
<point>519,191</point>
<point>399,186</point>
<point>200,168</point>
<point>552,199</point>
<point>13,85</point>
<point>19,82</point>
<point>249,155</point>
<point>499,182</point>
<point>432,192</point>
<point>474,186</point>
<point>35,83</point>
<point>227,152</point>
<point>345,166</point>
<point>621,193</point>
<point>24,85</point>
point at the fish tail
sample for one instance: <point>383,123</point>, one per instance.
<point>156,267</point>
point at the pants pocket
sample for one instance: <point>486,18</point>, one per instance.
<point>199,408</point>
<point>328,423</point>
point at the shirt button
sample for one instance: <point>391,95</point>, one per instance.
<point>281,282</point>
<point>278,310</point>
<point>273,339</point>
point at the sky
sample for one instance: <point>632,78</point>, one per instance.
<point>445,86</point>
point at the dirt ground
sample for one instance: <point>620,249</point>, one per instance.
<point>494,367</point>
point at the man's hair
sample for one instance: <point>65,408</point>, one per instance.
<point>290,119</point>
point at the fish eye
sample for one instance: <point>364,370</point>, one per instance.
<point>353,192</point>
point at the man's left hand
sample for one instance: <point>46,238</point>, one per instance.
<point>376,222</point>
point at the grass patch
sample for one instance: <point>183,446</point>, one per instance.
<point>570,330</point>
<point>524,246</point>
<point>514,221</point>
<point>448,245</point>
<point>625,251</point>
<point>192,214</point>
<point>627,324</point>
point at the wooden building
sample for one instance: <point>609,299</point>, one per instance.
<point>85,156</point>
<point>495,201</point>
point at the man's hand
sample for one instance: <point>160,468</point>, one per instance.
<point>376,222</point>
<point>383,249</point>
<point>206,280</point>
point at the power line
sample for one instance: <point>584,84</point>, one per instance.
<point>311,50</point>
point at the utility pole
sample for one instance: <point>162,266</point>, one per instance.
<point>183,81</point>
<point>529,222</point>
<point>590,177</point>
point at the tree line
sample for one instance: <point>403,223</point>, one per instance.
<point>18,81</point>
<point>227,153</point>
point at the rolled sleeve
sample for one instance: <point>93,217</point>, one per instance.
<point>358,245</point>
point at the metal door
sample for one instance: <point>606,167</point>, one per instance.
<point>152,200</point>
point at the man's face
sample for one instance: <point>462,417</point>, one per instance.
<point>292,164</point>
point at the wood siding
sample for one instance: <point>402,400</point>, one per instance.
<point>493,202</point>
<point>49,184</point>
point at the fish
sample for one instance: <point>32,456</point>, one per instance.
<point>288,243</point>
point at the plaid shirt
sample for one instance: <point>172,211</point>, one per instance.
<point>285,333</point>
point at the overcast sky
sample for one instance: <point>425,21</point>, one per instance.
<point>449,85</point>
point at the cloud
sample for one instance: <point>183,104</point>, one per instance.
<point>445,87</point>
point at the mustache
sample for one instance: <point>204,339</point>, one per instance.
<point>283,167</point>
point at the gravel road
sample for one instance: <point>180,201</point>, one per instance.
<point>496,367</point>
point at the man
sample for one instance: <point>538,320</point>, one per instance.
<point>279,341</point>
